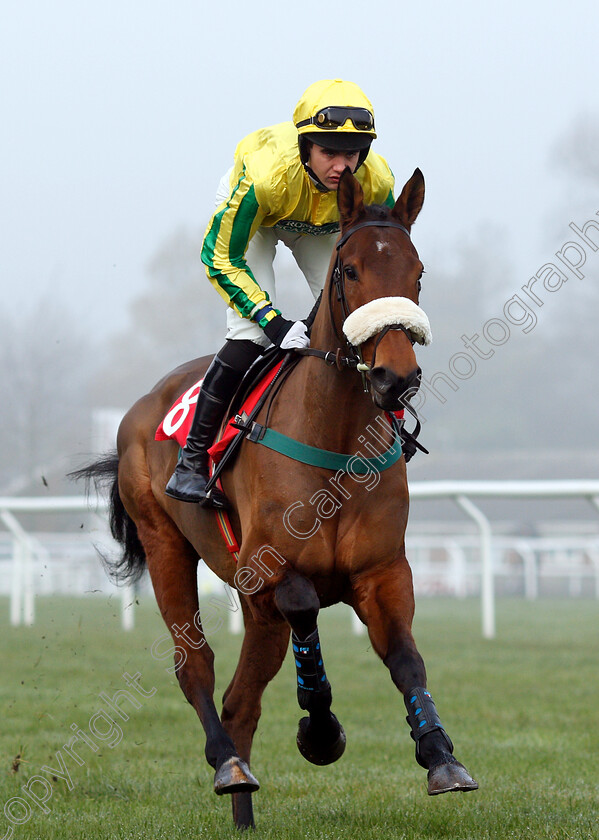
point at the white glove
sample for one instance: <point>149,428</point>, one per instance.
<point>296,338</point>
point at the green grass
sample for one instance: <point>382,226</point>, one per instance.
<point>523,712</point>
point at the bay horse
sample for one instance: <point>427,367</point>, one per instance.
<point>308,538</point>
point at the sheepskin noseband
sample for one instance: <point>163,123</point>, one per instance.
<point>370,319</point>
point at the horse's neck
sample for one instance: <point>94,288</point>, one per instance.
<point>335,410</point>
<point>323,335</point>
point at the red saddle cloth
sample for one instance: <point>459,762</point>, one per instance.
<point>177,422</point>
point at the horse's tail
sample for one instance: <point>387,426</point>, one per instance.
<point>103,474</point>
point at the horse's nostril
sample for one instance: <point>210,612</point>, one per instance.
<point>413,380</point>
<point>382,379</point>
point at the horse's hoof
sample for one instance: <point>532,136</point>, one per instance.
<point>314,748</point>
<point>234,776</point>
<point>447,778</point>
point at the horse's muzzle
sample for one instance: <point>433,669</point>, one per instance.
<point>390,391</point>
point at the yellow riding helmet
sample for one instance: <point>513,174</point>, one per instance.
<point>336,114</point>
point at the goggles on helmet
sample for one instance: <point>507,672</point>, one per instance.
<point>335,116</point>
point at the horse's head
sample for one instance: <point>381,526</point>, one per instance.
<point>377,277</point>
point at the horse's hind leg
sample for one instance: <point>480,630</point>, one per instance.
<point>262,654</point>
<point>172,564</point>
<point>320,737</point>
<point>385,602</point>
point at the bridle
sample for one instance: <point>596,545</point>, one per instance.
<point>338,280</point>
<point>354,359</point>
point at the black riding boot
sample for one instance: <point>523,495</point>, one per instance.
<point>188,482</point>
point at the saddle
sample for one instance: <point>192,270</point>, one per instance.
<point>177,422</point>
<point>254,376</point>
<point>255,389</point>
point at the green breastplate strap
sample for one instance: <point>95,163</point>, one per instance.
<point>315,457</point>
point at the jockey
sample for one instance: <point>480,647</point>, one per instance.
<point>281,188</point>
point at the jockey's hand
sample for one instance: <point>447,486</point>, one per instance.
<point>288,335</point>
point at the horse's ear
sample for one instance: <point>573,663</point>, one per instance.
<point>350,198</point>
<point>409,204</point>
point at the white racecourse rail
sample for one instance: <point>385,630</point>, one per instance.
<point>26,546</point>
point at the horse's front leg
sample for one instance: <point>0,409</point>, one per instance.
<point>384,600</point>
<point>320,737</point>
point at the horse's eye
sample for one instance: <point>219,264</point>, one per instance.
<point>350,273</point>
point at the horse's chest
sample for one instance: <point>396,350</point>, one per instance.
<point>369,534</point>
<point>348,534</point>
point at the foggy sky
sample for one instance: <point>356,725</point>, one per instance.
<point>120,117</point>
